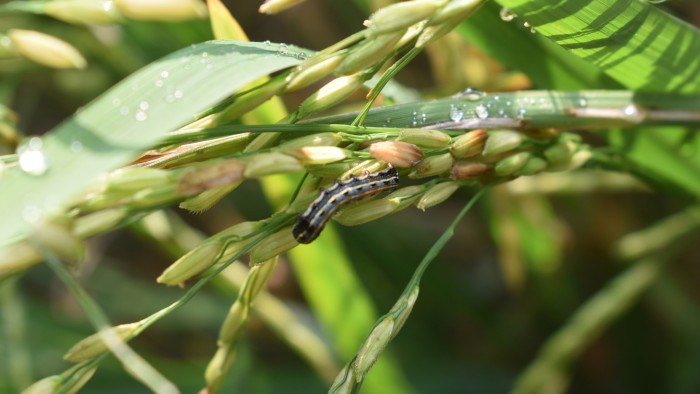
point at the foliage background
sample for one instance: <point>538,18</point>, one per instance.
<point>471,330</point>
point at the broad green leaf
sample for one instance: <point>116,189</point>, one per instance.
<point>548,65</point>
<point>635,43</point>
<point>129,118</point>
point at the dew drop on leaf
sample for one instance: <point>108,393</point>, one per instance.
<point>30,157</point>
<point>456,114</point>
<point>76,146</point>
<point>506,14</point>
<point>31,213</point>
<point>472,94</point>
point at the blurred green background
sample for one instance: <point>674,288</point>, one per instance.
<point>516,270</point>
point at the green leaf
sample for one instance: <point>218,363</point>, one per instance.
<point>638,45</point>
<point>131,117</point>
<point>548,65</point>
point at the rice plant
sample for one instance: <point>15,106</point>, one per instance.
<point>420,196</point>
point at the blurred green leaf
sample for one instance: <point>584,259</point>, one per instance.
<point>669,153</point>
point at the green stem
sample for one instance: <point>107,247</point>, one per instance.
<point>388,75</point>
<point>226,130</point>
<point>147,322</point>
<point>549,371</point>
<point>440,243</point>
<point>132,362</point>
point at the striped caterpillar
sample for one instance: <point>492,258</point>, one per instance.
<point>309,224</point>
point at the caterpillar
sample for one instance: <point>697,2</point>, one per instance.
<point>310,223</point>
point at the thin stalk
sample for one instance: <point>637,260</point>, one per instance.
<point>226,130</point>
<point>549,371</point>
<point>388,75</point>
<point>440,243</point>
<point>387,327</point>
<point>132,362</point>
<point>274,225</point>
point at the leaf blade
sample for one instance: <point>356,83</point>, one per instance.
<point>131,117</point>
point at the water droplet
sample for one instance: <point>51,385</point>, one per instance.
<point>143,105</point>
<point>76,146</point>
<point>521,113</point>
<point>178,94</point>
<point>456,114</point>
<point>632,113</point>
<point>423,117</point>
<point>506,14</point>
<point>630,110</point>
<point>481,111</point>
<point>472,94</point>
<point>508,103</point>
<point>282,50</point>
<point>35,143</point>
<point>159,83</point>
<point>582,102</point>
<point>31,213</point>
<point>496,98</point>
<point>414,122</point>
<point>30,157</point>
<point>164,74</point>
<point>501,112</point>
<point>267,42</point>
<point>141,116</point>
<point>526,24</point>
<point>533,30</point>
<point>124,110</point>
<point>116,102</point>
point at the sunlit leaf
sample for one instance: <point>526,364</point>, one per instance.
<point>635,43</point>
<point>131,117</point>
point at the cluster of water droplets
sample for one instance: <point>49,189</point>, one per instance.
<point>285,50</point>
<point>419,119</point>
<point>507,15</point>
<point>489,106</point>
